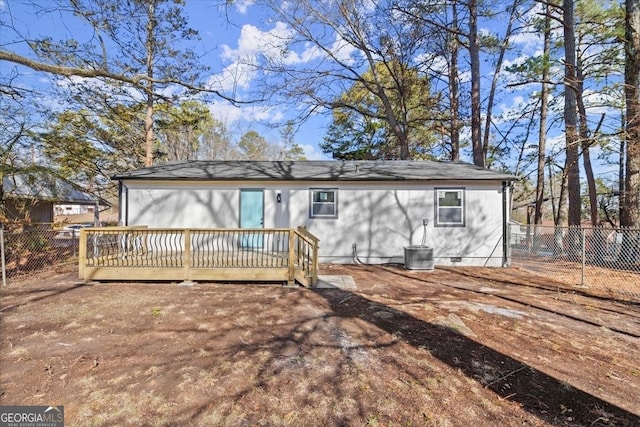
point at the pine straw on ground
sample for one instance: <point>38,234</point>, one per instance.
<point>405,348</point>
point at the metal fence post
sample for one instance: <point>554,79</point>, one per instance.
<point>4,269</point>
<point>508,246</point>
<point>584,256</point>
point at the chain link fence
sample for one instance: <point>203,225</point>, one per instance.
<point>33,248</point>
<point>602,261</point>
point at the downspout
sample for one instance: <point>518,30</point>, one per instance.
<point>126,206</point>
<point>123,200</point>
<point>119,202</point>
<point>506,256</point>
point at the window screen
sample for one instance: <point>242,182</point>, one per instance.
<point>324,203</point>
<point>450,207</point>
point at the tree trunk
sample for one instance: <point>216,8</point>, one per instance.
<point>561,219</point>
<point>474,56</point>
<point>586,143</point>
<point>554,215</point>
<point>570,121</point>
<point>148,124</point>
<point>621,169</point>
<point>544,110</point>
<point>542,138</point>
<point>454,113</point>
<point>570,116</point>
<point>631,213</point>
<point>400,130</point>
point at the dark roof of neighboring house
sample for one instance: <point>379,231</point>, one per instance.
<point>330,170</point>
<point>39,185</point>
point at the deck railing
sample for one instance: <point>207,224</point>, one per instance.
<point>141,253</point>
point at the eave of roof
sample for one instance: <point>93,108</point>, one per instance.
<point>330,170</point>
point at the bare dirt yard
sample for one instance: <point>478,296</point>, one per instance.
<point>451,347</point>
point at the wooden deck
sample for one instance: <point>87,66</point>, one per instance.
<point>141,253</point>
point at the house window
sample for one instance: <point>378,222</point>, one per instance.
<point>324,203</point>
<point>450,207</point>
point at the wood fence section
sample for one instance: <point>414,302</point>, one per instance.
<point>141,253</point>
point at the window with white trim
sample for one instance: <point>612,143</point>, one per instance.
<point>323,203</point>
<point>450,207</point>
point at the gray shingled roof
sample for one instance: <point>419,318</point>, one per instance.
<point>330,170</point>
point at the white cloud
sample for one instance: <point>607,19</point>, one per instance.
<point>342,50</point>
<point>273,45</point>
<point>602,103</point>
<point>311,152</point>
<point>507,112</point>
<point>310,53</point>
<point>254,41</point>
<point>226,112</point>
<point>127,92</point>
<point>231,114</point>
<point>241,68</point>
<point>237,75</point>
<point>465,77</point>
<point>527,41</point>
<point>432,63</point>
<point>556,143</point>
<point>242,6</point>
<point>515,61</point>
<point>242,61</point>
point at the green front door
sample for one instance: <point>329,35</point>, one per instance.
<point>251,216</point>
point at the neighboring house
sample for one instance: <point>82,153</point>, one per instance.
<point>32,195</point>
<point>63,209</point>
<point>368,209</point>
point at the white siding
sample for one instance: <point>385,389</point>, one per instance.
<point>379,218</point>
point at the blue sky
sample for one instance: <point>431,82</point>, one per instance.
<point>228,37</point>
<point>243,32</point>
<point>238,33</point>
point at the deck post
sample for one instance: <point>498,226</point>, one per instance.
<point>292,258</point>
<point>312,242</point>
<point>314,265</point>
<point>186,260</point>
<point>82,253</point>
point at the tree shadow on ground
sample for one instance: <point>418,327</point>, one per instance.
<point>35,295</point>
<point>542,395</point>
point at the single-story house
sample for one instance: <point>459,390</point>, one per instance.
<point>362,211</point>
<point>32,195</point>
